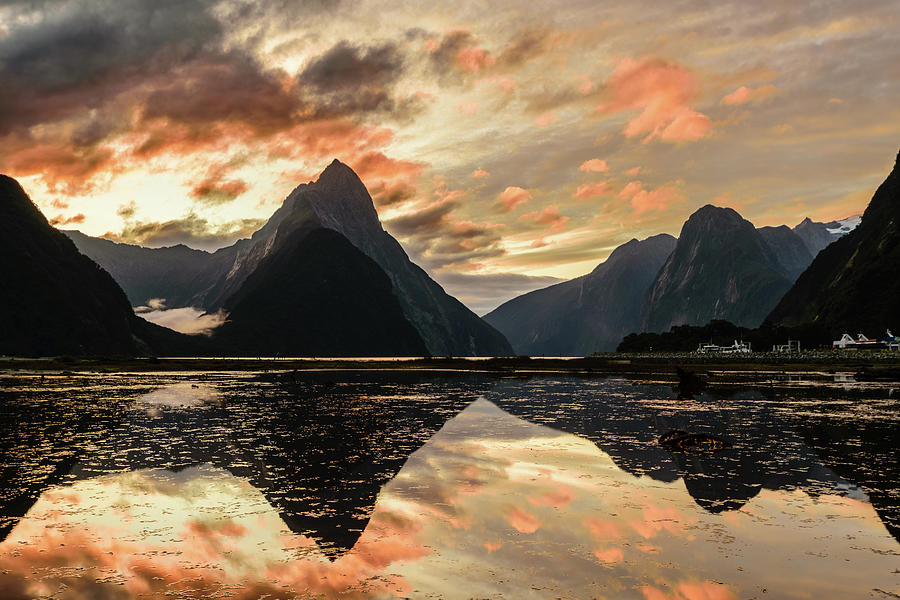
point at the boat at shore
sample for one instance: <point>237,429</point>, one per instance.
<point>861,342</point>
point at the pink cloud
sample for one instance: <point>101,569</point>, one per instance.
<point>744,94</point>
<point>549,216</point>
<point>643,200</point>
<point>592,190</point>
<point>468,107</point>
<point>594,165</point>
<point>474,59</point>
<point>661,90</point>
<point>633,171</point>
<point>512,197</point>
<point>480,174</point>
<point>546,118</point>
<point>506,84</point>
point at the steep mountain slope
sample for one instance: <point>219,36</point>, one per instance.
<point>817,235</point>
<point>174,273</point>
<point>587,314</point>
<point>318,296</point>
<point>853,284</point>
<point>721,268</point>
<point>789,249</point>
<point>54,300</point>
<point>338,200</point>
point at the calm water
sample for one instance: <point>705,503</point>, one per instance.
<point>197,485</point>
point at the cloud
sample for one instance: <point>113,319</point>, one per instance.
<point>480,174</point>
<point>643,200</point>
<point>192,231</point>
<point>546,118</point>
<point>127,211</point>
<point>524,47</point>
<point>660,90</point>
<point>189,320</point>
<point>468,107</point>
<point>456,55</point>
<point>428,219</point>
<point>217,190</point>
<point>594,165</point>
<point>744,94</point>
<point>512,197</point>
<point>592,190</point>
<point>548,216</point>
<point>60,220</point>
<point>350,79</point>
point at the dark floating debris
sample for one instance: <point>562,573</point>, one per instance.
<point>695,443</point>
<point>690,383</point>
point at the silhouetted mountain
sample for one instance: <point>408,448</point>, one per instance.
<point>852,284</point>
<point>318,296</point>
<point>817,236</point>
<point>338,200</point>
<point>174,273</point>
<point>587,314</point>
<point>789,249</point>
<point>55,300</point>
<point>721,268</point>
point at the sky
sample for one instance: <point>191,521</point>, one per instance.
<point>506,146</point>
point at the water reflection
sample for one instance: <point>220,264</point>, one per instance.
<point>408,486</point>
<point>492,505</point>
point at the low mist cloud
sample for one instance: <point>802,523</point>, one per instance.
<point>189,320</point>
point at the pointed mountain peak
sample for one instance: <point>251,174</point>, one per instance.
<point>337,174</point>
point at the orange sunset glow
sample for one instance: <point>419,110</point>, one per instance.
<point>506,146</point>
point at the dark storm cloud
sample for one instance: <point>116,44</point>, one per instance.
<point>349,79</point>
<point>75,41</point>
<point>427,220</point>
<point>347,68</point>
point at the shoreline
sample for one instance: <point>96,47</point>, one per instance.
<point>883,366</point>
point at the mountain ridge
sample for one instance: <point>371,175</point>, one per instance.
<point>338,200</point>
<point>852,284</point>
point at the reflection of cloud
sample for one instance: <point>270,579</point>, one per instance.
<point>197,532</point>
<point>523,521</point>
<point>181,395</point>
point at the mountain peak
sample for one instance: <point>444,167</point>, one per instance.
<point>338,174</point>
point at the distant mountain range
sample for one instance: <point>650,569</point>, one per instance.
<point>590,312</point>
<point>721,267</point>
<point>314,311</point>
<point>322,277</point>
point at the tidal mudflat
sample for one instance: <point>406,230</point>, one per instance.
<point>427,485</point>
